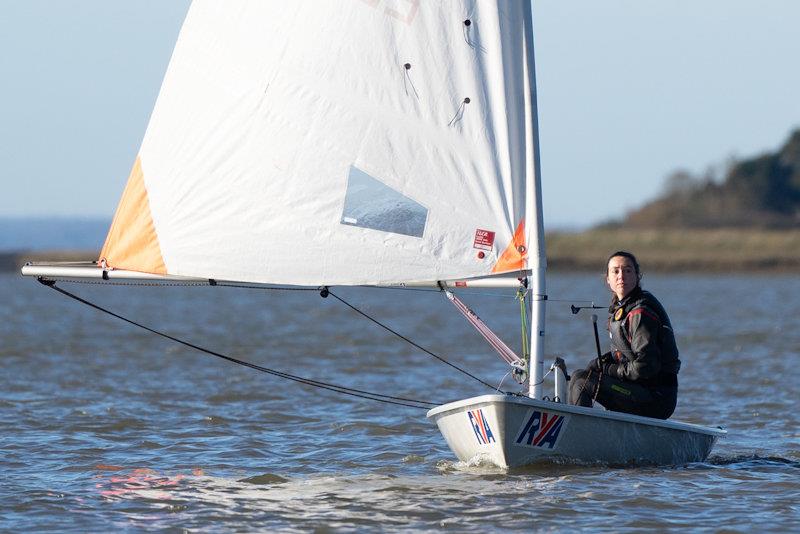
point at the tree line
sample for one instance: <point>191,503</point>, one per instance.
<point>760,192</point>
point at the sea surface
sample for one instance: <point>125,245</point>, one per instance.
<point>52,233</point>
<point>106,427</point>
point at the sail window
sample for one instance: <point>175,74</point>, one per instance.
<point>369,203</point>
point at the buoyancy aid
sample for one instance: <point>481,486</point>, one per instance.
<point>642,341</point>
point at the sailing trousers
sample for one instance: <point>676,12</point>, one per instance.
<point>621,395</point>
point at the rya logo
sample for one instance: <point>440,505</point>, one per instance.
<point>541,430</point>
<point>481,427</point>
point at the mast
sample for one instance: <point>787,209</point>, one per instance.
<point>534,220</point>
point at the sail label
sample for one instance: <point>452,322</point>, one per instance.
<point>484,239</point>
<point>483,432</point>
<point>541,429</point>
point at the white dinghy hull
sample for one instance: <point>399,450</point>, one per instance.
<point>511,431</point>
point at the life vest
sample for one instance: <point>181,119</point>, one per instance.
<point>640,321</point>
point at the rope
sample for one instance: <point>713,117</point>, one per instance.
<point>468,40</point>
<point>407,77</point>
<point>209,283</point>
<point>117,283</point>
<point>526,353</point>
<point>459,112</point>
<point>407,340</point>
<point>540,382</point>
<point>599,382</point>
<point>245,286</point>
<point>497,344</point>
<point>400,401</point>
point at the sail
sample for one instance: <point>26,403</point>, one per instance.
<point>340,143</point>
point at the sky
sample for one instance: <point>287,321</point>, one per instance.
<point>629,91</point>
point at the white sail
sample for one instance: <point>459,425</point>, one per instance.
<point>351,142</point>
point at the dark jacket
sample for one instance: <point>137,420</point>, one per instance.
<point>642,342</point>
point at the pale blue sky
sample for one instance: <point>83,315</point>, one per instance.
<point>629,90</point>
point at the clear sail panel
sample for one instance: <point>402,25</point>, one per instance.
<point>369,203</point>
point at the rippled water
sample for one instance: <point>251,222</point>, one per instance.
<point>104,426</point>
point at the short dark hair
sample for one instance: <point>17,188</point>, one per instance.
<point>626,254</point>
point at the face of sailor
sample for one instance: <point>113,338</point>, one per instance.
<point>621,276</point>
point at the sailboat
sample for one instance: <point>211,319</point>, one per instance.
<point>367,143</point>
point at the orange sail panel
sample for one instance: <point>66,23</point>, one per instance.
<point>514,256</point>
<point>132,243</point>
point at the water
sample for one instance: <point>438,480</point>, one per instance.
<point>52,233</point>
<point>104,426</point>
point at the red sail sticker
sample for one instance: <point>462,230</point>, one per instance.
<point>484,239</point>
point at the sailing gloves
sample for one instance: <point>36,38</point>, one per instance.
<point>602,363</point>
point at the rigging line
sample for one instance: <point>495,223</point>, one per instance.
<point>459,112</point>
<point>540,382</point>
<point>264,288</point>
<point>468,40</point>
<point>503,380</point>
<point>522,394</point>
<point>307,381</point>
<point>137,284</point>
<point>526,354</point>
<point>407,340</point>
<point>406,68</point>
<point>178,284</point>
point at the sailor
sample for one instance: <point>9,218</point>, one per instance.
<point>640,373</point>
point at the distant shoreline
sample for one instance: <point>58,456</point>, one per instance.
<point>679,250</point>
<point>685,251</point>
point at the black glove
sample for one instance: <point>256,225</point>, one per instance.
<point>599,363</point>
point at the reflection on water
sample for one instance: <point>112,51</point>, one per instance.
<point>107,426</point>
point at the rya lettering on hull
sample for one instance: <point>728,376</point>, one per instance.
<point>481,427</point>
<point>541,429</point>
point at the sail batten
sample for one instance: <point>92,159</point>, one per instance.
<point>339,143</point>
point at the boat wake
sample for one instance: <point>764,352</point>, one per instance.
<point>479,464</point>
<point>749,461</point>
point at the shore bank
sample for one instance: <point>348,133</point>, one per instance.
<point>724,250</point>
<point>701,251</point>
